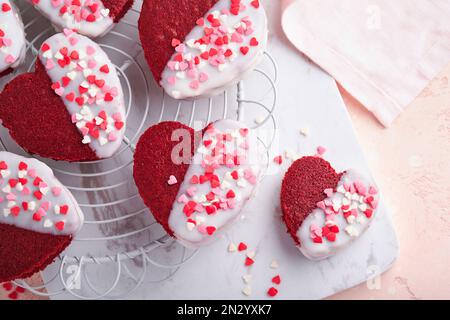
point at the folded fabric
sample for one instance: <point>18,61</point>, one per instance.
<point>382,52</point>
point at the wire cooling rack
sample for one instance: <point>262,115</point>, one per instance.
<point>121,246</point>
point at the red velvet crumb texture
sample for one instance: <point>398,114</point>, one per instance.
<point>117,8</point>
<point>24,252</point>
<point>301,189</point>
<point>153,166</point>
<point>162,21</point>
<point>38,120</point>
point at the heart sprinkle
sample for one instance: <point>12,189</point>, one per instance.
<point>172,180</point>
<point>272,292</point>
<point>242,246</point>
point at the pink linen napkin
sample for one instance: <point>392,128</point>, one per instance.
<point>383,52</point>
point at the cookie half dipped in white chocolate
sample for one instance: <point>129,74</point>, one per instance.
<point>92,18</point>
<point>196,184</point>
<point>206,47</point>
<point>71,107</point>
<point>38,216</point>
<point>326,211</point>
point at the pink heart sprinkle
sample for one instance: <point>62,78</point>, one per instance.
<point>90,50</point>
<point>45,205</point>
<point>373,190</point>
<point>191,191</point>
<point>49,64</point>
<point>329,192</point>
<point>67,32</point>
<point>26,191</point>
<point>321,205</point>
<point>59,91</point>
<point>172,180</point>
<point>73,41</point>
<point>203,77</point>
<point>321,150</point>
<point>172,80</point>
<point>10,196</point>
<point>183,199</point>
<point>56,191</point>
<point>194,85</point>
<point>32,173</point>
<point>202,229</point>
<point>112,136</point>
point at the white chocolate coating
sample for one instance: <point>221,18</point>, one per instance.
<point>53,210</point>
<point>88,84</point>
<point>192,229</point>
<point>350,219</point>
<point>228,65</point>
<point>77,17</point>
<point>12,37</point>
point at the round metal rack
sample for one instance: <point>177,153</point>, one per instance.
<point>120,238</point>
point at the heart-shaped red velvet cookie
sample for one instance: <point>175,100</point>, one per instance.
<point>196,184</point>
<point>38,217</point>
<point>92,18</point>
<point>323,210</point>
<point>71,107</point>
<point>199,48</point>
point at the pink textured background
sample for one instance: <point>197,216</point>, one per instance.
<point>411,162</point>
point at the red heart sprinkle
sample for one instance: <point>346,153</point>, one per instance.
<point>13,295</point>
<point>194,179</point>
<point>108,97</point>
<point>242,246</point>
<point>59,225</point>
<point>210,230</point>
<point>104,68</point>
<point>249,261</point>
<point>278,159</point>
<point>230,194</point>
<point>38,195</point>
<point>7,286</point>
<point>64,209</point>
<point>244,50</point>
<point>334,229</point>
<point>20,289</point>
<point>272,292</point>
<point>13,182</point>
<point>255,3</point>
<point>317,240</point>
<point>15,211</point>
<point>276,279</point>
<point>331,237</point>
<point>23,166</point>
<point>211,209</point>
<point>45,47</point>
<point>70,97</point>
<point>3,165</point>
